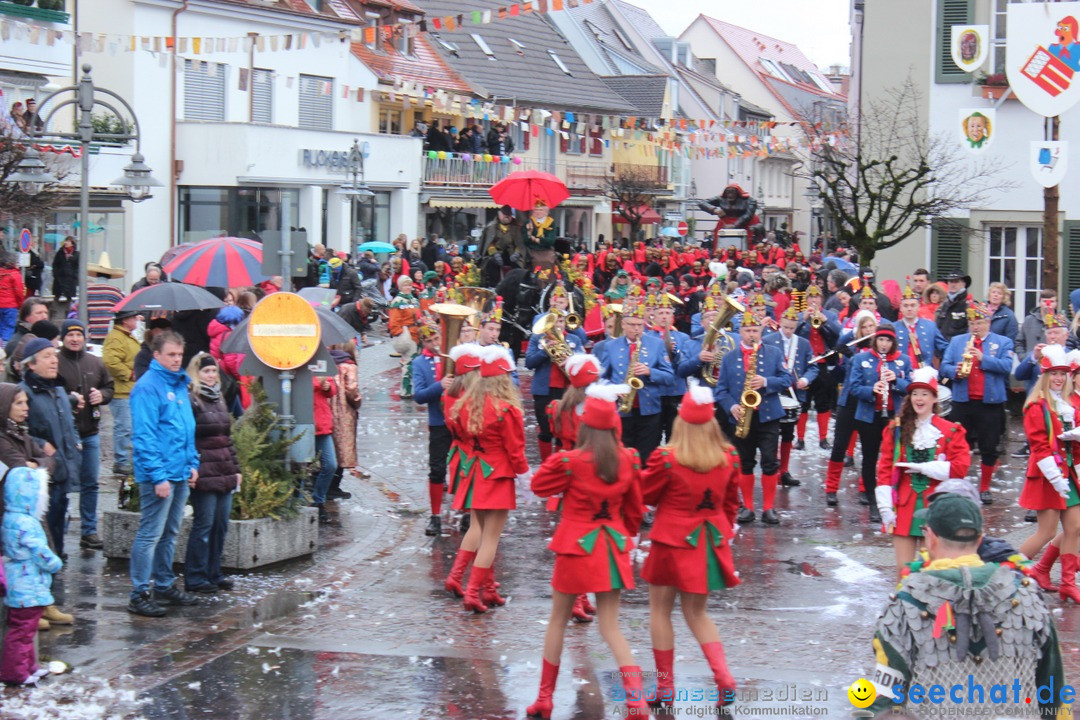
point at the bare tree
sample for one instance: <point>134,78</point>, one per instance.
<point>888,177</point>
<point>633,188</point>
<point>14,203</point>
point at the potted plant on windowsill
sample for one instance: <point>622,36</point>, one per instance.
<point>992,87</point>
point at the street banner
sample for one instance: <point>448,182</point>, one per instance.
<point>970,46</point>
<point>977,127</point>
<point>1042,55</point>
<point>1049,161</point>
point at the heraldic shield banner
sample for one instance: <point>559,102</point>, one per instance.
<point>1042,55</point>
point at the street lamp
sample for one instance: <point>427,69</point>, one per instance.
<point>31,174</point>
<point>357,188</point>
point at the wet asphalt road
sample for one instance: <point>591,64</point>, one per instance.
<point>364,629</point>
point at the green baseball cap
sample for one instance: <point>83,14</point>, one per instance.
<point>430,275</point>
<point>953,517</point>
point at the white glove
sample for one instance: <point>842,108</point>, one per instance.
<point>883,498</point>
<point>1070,435</point>
<point>888,518</point>
<point>934,469</point>
<point>526,476</point>
<point>1052,473</point>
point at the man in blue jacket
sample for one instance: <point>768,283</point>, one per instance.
<point>979,397</point>
<point>822,392</point>
<point>166,467</point>
<point>767,377</point>
<point>796,352</point>
<point>549,382</point>
<point>428,386</point>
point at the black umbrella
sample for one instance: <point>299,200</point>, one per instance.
<point>169,297</point>
<point>334,331</point>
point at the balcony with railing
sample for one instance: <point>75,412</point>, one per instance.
<point>461,176</point>
<point>44,10</point>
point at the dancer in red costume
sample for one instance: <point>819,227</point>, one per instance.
<point>601,485</point>
<point>693,482</point>
<point>489,415</point>
<point>919,449</point>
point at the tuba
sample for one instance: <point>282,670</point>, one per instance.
<point>553,342</point>
<point>750,398</point>
<point>476,298</point>
<point>451,317</point>
<point>711,372</point>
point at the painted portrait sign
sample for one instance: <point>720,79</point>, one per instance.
<point>1042,55</point>
<point>970,46</point>
<point>977,128</point>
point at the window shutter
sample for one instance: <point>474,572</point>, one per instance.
<point>262,96</point>
<point>950,12</point>
<point>316,102</point>
<point>564,143</point>
<point>204,93</point>
<point>1070,239</point>
<point>948,251</point>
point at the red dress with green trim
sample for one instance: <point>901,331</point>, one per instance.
<point>567,432</point>
<point>1042,427</point>
<point>598,524</point>
<point>910,490</point>
<point>490,461</point>
<point>691,535</point>
<point>457,448</point>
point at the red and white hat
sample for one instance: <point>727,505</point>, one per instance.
<point>466,357</point>
<point>1054,358</point>
<point>599,411</point>
<point>925,378</point>
<point>582,369</point>
<point>697,406</point>
<point>1074,360</point>
<point>495,360</point>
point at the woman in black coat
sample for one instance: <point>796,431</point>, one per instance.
<point>65,284</point>
<point>219,478</point>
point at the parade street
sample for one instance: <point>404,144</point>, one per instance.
<point>365,630</point>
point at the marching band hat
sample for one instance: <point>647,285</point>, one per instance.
<point>1054,358</point>
<point>978,311</point>
<point>925,378</point>
<point>582,370</point>
<point>466,357</point>
<point>697,407</point>
<point>600,412</point>
<point>495,360</point>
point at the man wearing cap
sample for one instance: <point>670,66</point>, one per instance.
<point>101,298</point>
<point>675,343</point>
<point>917,338</point>
<point>345,281</point>
<point>951,315</point>
<point>765,366</point>
<point>501,246</point>
<point>796,359</point>
<point>960,621</point>
<point>118,353</point>
<point>429,383</point>
<point>979,398</point>
<point>823,388</point>
<point>85,377</point>
<point>549,380</point>
<point>540,231</point>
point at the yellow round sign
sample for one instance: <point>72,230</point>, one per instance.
<point>284,331</point>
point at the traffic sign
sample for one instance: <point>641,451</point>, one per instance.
<point>683,228</point>
<point>25,238</point>
<point>284,331</point>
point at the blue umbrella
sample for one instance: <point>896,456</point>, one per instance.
<point>670,232</point>
<point>378,247</point>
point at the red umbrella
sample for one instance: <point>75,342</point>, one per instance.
<point>219,262</point>
<point>522,189</point>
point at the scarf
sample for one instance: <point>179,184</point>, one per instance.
<point>210,393</point>
<point>972,560</point>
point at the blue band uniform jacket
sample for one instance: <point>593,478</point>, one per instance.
<point>770,365</point>
<point>996,366</point>
<point>680,342</point>
<point>865,372</point>
<point>652,353</point>
<point>802,368</point>
<point>537,360</point>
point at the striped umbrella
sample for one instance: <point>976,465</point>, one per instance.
<point>219,262</point>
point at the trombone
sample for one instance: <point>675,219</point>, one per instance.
<point>572,320</point>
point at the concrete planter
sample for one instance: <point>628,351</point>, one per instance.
<point>249,544</point>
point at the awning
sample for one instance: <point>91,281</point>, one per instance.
<point>648,215</point>
<point>462,203</point>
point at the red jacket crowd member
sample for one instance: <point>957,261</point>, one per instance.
<point>601,486</point>
<point>693,482</point>
<point>489,416</point>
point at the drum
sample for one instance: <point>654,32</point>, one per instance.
<point>792,408</point>
<point>944,401</point>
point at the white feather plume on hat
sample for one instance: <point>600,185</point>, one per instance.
<point>1055,356</point>
<point>493,353</point>
<point>700,394</point>
<point>606,391</point>
<point>577,361</point>
<point>470,349</point>
<point>924,375</point>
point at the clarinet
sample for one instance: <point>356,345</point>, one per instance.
<point>884,395</point>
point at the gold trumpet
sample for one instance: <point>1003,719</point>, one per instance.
<point>451,317</point>
<point>817,320</point>
<point>573,320</point>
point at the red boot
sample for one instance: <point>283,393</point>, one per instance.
<point>578,613</point>
<point>725,682</point>
<point>665,677</point>
<point>833,476</point>
<point>489,594</point>
<point>543,705</point>
<point>477,580</point>
<point>589,607</point>
<point>635,696</point>
<point>1041,571</point>
<point>545,449</point>
<point>1068,590</point>
<point>457,572</point>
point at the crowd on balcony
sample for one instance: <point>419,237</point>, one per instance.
<point>471,139</point>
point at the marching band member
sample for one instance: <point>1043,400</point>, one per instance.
<point>1050,487</point>
<point>636,355</point>
<point>979,397</point>
<point>879,381</point>
<point>675,343</point>
<point>428,387</point>
<point>917,339</point>
<point>696,359</point>
<point>693,482</point>
<point>822,390</point>
<point>489,413</point>
<point>918,450</point>
<point>844,433</point>
<point>549,381</point>
<point>560,300</point>
<point>796,353</point>
<point>600,482</point>
<point>867,302</point>
<point>757,367</point>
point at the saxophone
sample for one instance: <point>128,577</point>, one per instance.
<point>967,361</point>
<point>750,398</point>
<point>626,403</point>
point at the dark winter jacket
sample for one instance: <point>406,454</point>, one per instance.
<point>348,284</point>
<point>82,372</point>
<point>17,447</point>
<point>218,466</point>
<point>65,274</point>
<point>951,316</point>
<point>142,361</point>
<point>51,422</point>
